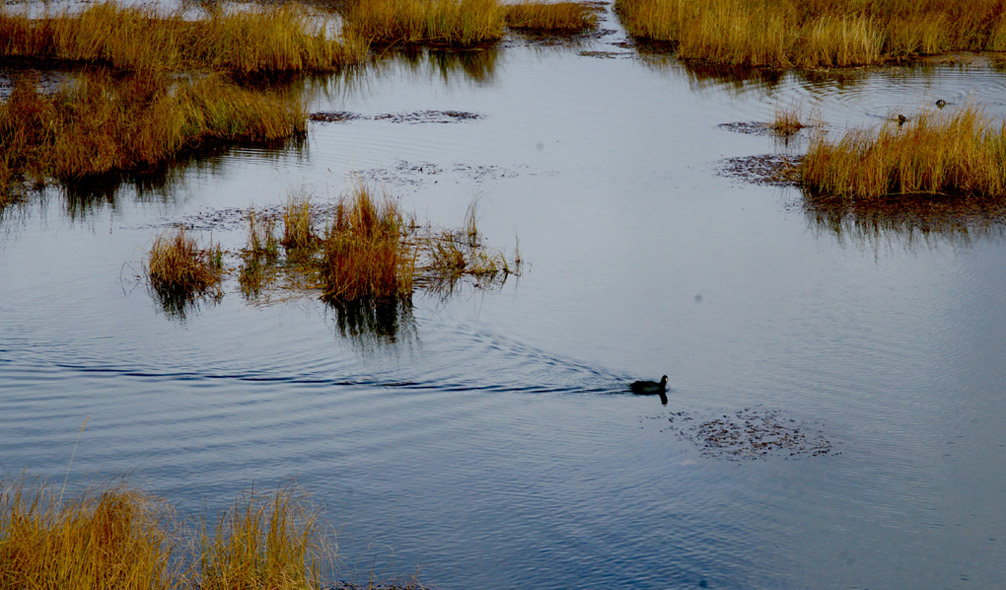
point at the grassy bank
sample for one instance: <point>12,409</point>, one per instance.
<point>271,40</point>
<point>121,538</point>
<point>567,17</point>
<point>101,123</point>
<point>934,153</point>
<point>816,33</point>
<point>459,23</point>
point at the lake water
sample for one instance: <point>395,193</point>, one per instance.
<point>492,442</point>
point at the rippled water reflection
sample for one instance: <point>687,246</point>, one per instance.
<point>491,443</point>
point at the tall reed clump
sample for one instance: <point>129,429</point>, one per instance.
<point>364,254</point>
<point>269,40</point>
<point>551,17</point>
<point>449,22</point>
<point>962,153</point>
<point>101,124</point>
<point>815,33</point>
<point>113,538</point>
<point>263,543</point>
<point>177,267</point>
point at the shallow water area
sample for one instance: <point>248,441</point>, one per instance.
<point>491,441</point>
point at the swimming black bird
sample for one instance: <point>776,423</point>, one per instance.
<point>649,387</point>
<point>941,103</point>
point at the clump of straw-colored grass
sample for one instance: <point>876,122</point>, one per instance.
<point>178,267</point>
<point>298,224</point>
<point>448,22</point>
<point>112,538</point>
<point>364,254</point>
<point>551,17</point>
<point>263,543</point>
<point>269,40</point>
<point>101,124</point>
<point>961,153</point>
<point>815,33</point>
<point>119,538</point>
<point>787,121</point>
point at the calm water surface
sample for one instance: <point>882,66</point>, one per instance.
<point>491,445</point>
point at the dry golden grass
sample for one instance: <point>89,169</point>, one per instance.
<point>177,266</point>
<point>448,22</point>
<point>269,40</point>
<point>815,33</point>
<point>935,153</point>
<point>114,538</point>
<point>102,124</point>
<point>364,254</point>
<point>119,538</point>
<point>787,121</point>
<point>271,543</point>
<point>298,224</point>
<point>551,17</point>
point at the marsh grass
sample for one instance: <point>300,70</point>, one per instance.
<point>463,23</point>
<point>787,121</point>
<point>569,17</point>
<point>298,225</point>
<point>263,543</point>
<point>270,40</point>
<point>116,537</point>
<point>815,33</point>
<point>364,255</point>
<point>935,153</point>
<point>177,267</point>
<point>101,124</point>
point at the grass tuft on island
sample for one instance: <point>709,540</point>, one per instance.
<point>269,40</point>
<point>962,153</point>
<point>100,124</point>
<point>178,269</point>
<point>816,33</point>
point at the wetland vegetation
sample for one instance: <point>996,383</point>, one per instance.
<point>934,153</point>
<point>815,33</point>
<point>263,41</point>
<point>460,23</point>
<point>121,537</point>
<point>363,251</point>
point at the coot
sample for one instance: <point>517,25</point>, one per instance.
<point>649,387</point>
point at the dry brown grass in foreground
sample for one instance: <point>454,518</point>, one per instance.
<point>935,153</point>
<point>816,33</point>
<point>120,538</point>
<point>268,40</point>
